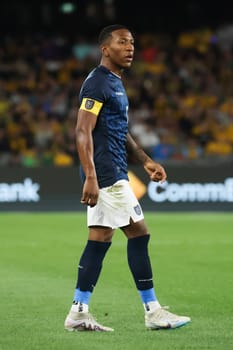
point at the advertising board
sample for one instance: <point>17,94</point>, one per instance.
<point>188,188</point>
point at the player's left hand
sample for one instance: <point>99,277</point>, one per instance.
<point>155,171</point>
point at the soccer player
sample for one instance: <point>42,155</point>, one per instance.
<point>102,142</point>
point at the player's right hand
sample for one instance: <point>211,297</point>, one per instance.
<point>90,192</point>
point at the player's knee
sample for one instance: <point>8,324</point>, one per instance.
<point>101,234</point>
<point>135,229</point>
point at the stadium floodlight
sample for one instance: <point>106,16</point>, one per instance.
<point>67,7</point>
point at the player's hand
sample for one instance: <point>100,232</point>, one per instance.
<point>155,171</point>
<point>90,192</point>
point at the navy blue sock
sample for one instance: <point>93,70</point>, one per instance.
<point>90,264</point>
<point>139,262</point>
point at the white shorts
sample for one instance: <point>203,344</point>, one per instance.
<point>116,205</point>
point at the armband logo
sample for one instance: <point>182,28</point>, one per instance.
<point>89,104</point>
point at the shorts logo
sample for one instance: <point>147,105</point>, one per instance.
<point>89,104</point>
<point>138,210</point>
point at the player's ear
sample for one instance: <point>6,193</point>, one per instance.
<point>105,51</point>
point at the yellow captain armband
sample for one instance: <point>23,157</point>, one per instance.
<point>91,105</point>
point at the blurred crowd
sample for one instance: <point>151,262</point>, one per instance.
<point>180,93</point>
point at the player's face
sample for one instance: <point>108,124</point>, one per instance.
<point>120,48</point>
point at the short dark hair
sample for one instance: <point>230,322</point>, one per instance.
<point>107,31</point>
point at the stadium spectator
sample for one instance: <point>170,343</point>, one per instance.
<point>183,87</point>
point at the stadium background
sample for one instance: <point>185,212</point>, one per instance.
<point>88,16</point>
<point>180,90</point>
<point>183,74</point>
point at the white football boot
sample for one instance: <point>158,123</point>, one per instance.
<point>163,319</point>
<point>83,321</point>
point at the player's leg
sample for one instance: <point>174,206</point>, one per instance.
<point>156,317</point>
<point>139,262</point>
<point>90,265</point>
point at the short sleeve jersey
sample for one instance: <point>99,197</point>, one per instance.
<point>103,94</point>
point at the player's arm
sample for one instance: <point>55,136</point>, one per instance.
<point>155,170</point>
<point>86,121</point>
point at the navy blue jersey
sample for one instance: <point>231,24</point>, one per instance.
<point>103,94</point>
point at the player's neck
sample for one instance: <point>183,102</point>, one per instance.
<point>113,69</point>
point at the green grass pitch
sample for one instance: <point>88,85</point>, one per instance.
<point>192,260</point>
